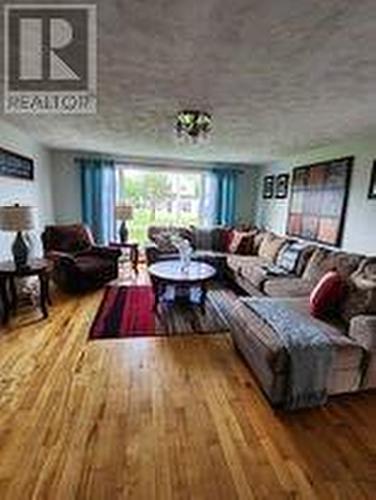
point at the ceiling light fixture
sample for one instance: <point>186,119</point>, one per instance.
<point>193,125</point>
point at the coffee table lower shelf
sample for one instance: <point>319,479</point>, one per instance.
<point>170,274</point>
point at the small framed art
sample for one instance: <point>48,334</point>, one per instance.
<point>15,165</point>
<point>372,185</point>
<point>268,190</point>
<point>282,186</point>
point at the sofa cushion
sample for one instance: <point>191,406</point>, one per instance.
<point>206,238</point>
<point>316,265</point>
<point>304,257</point>
<point>324,260</point>
<point>242,264</point>
<point>343,262</point>
<point>360,296</point>
<point>288,287</point>
<point>270,246</point>
<point>251,268</point>
<point>215,238</point>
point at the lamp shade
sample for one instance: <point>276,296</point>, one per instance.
<point>124,212</point>
<point>17,218</point>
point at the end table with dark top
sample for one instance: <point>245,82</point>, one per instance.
<point>133,247</point>
<point>8,291</point>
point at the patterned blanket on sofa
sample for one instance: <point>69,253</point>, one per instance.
<point>310,352</point>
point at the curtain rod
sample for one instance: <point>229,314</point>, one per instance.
<point>192,169</point>
<point>163,164</point>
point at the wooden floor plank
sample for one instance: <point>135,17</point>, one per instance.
<point>167,418</point>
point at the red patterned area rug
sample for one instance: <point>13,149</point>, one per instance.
<point>127,311</point>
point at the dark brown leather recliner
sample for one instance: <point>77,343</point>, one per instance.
<point>78,263</point>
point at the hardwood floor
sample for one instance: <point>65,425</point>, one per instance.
<point>169,418</point>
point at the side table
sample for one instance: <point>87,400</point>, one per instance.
<point>133,247</point>
<point>8,292</point>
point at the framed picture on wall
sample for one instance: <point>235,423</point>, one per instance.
<point>16,166</point>
<point>268,189</point>
<point>282,186</point>
<point>372,185</point>
<point>318,200</point>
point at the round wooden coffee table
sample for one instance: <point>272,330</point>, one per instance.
<point>170,272</point>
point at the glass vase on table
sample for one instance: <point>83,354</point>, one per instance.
<point>185,251</point>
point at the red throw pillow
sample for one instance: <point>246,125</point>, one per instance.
<point>327,294</point>
<point>228,236</point>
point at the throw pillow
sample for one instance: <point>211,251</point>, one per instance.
<point>304,257</point>
<point>289,255</point>
<point>225,237</point>
<point>236,240</point>
<point>270,246</point>
<point>326,295</point>
<point>317,265</point>
<point>163,241</point>
<point>258,239</point>
<point>246,245</point>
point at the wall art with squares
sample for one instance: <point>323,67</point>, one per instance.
<point>318,200</point>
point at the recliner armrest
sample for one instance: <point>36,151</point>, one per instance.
<point>363,330</point>
<point>56,256</point>
<point>102,251</point>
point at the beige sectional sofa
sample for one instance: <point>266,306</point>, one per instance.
<point>260,347</point>
<point>352,329</point>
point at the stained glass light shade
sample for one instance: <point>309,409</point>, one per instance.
<point>193,124</point>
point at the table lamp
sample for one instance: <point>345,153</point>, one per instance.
<point>123,213</point>
<point>16,219</point>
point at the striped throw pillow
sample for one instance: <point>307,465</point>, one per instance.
<point>289,254</point>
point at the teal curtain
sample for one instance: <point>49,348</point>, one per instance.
<point>98,193</point>
<point>226,195</point>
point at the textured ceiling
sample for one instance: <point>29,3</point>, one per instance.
<point>277,75</point>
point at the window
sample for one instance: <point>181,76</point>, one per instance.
<point>160,197</point>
